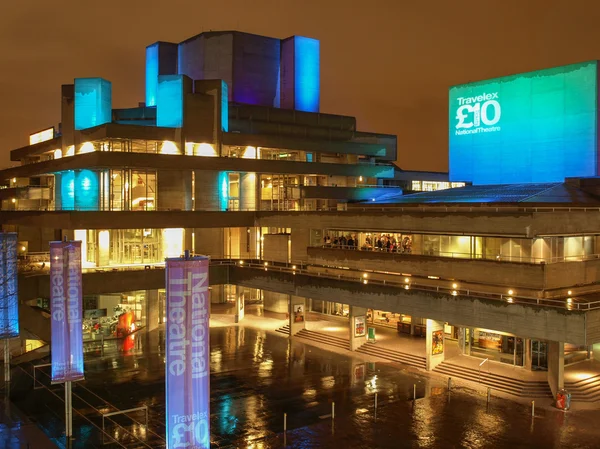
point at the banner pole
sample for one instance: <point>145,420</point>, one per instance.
<point>68,411</point>
<point>6,360</point>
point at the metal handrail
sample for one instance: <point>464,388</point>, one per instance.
<point>486,360</point>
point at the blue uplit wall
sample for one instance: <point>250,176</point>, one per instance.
<point>307,74</point>
<point>151,74</point>
<point>86,185</point>
<point>531,127</point>
<point>224,107</point>
<point>223,190</point>
<point>65,190</point>
<point>169,101</point>
<point>93,102</point>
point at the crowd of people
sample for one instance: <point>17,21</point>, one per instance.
<point>383,242</point>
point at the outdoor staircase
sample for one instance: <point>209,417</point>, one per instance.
<point>284,330</point>
<point>376,350</point>
<point>585,390</point>
<point>326,339</point>
<point>505,384</point>
<point>317,337</point>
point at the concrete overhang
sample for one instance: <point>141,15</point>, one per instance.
<point>128,219</point>
<point>105,160</point>
<point>296,143</point>
<point>37,149</point>
<point>528,321</point>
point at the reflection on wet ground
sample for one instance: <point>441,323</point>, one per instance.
<point>256,377</point>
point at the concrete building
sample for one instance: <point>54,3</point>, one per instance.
<point>301,211</point>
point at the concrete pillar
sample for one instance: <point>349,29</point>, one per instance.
<point>300,242</point>
<point>297,314</point>
<point>434,343</point>
<point>153,312</point>
<point>210,190</point>
<point>275,302</point>
<point>527,353</point>
<point>248,191</point>
<point>239,304</point>
<point>358,327</point>
<point>174,190</point>
<point>209,241</point>
<point>556,366</point>
<point>217,294</point>
<point>462,342</point>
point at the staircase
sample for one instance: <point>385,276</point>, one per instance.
<point>585,390</point>
<point>326,339</point>
<point>375,350</point>
<point>505,384</point>
<point>284,330</point>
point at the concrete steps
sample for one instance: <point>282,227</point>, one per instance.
<point>585,390</point>
<point>375,350</point>
<point>498,382</point>
<point>326,339</point>
<point>284,330</point>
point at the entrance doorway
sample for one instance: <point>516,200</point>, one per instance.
<point>539,355</point>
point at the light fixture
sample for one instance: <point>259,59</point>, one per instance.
<point>14,200</point>
<point>365,282</point>
<point>360,178</point>
<point>14,180</point>
<point>406,287</point>
<point>293,267</point>
<point>454,285</point>
<point>454,293</point>
<point>241,262</point>
<point>569,300</point>
<point>365,275</point>
<point>569,292</point>
<point>406,280</point>
<point>510,292</point>
<point>266,264</point>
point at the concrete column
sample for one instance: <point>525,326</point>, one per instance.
<point>300,241</point>
<point>209,241</point>
<point>239,304</point>
<point>210,190</point>
<point>527,353</point>
<point>217,294</point>
<point>462,349</point>
<point>297,318</point>
<point>556,366</point>
<point>153,312</point>
<point>434,343</point>
<point>174,190</point>
<point>358,327</point>
<point>275,302</point>
<point>248,191</point>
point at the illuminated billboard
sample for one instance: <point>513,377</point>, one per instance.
<point>187,359</point>
<point>531,127</point>
<point>66,311</point>
<point>42,136</point>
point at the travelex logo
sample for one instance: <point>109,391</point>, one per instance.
<point>478,114</point>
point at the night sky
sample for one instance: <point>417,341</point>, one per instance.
<point>387,62</point>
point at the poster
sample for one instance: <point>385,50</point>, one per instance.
<point>9,304</point>
<point>66,311</point>
<point>298,313</point>
<point>187,353</point>
<point>359,326</point>
<point>437,342</point>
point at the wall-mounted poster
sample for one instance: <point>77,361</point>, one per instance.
<point>359,326</point>
<point>437,342</point>
<point>298,313</point>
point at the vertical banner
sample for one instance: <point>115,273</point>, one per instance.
<point>188,354</point>
<point>66,310</point>
<point>9,303</point>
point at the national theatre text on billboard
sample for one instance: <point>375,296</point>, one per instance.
<point>531,127</point>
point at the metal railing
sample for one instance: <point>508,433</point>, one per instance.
<point>399,281</point>
<point>459,255</point>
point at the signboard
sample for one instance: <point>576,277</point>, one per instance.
<point>66,311</point>
<point>188,354</point>
<point>532,127</point>
<point>437,342</point>
<point>9,304</point>
<point>360,326</point>
<point>42,136</point>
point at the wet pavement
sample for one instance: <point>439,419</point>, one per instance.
<point>257,376</point>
